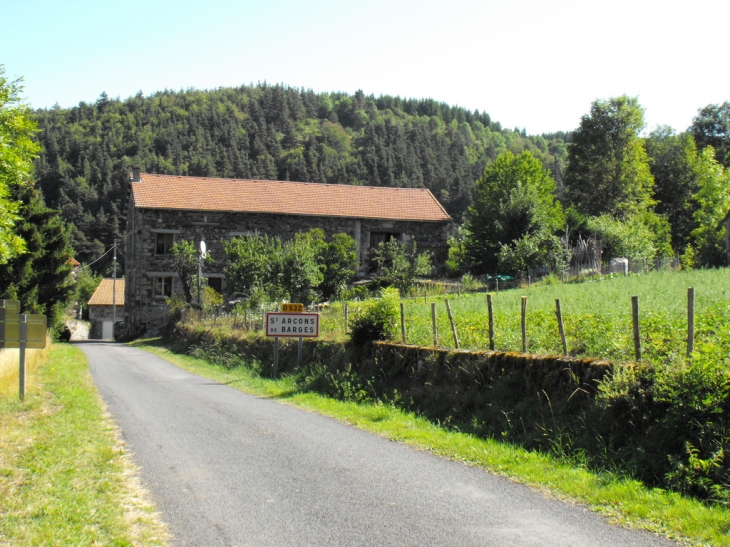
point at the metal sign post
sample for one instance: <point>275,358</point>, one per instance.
<point>276,356</point>
<point>201,256</point>
<point>23,331</point>
<point>21,364</point>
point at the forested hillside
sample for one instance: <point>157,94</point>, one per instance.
<point>267,132</point>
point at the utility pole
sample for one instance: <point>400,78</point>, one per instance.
<point>200,268</point>
<point>201,257</point>
<point>114,290</point>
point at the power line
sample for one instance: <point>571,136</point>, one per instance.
<point>98,259</point>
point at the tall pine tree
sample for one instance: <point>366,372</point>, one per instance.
<point>40,278</point>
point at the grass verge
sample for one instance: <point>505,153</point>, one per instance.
<point>65,478</point>
<point>623,501</point>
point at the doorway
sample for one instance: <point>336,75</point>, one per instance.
<point>376,238</point>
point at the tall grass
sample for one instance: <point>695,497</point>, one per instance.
<point>597,317</point>
<point>65,478</point>
<point>9,369</point>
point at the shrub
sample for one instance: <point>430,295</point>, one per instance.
<point>377,318</point>
<point>398,264</point>
<point>469,283</point>
<point>255,264</point>
<point>212,300</point>
<point>338,261</point>
<point>550,279</point>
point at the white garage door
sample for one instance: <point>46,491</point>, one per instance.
<point>107,330</point>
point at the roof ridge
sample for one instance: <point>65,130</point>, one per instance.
<point>411,188</point>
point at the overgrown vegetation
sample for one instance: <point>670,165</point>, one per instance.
<point>399,264</point>
<point>375,318</point>
<point>307,268</point>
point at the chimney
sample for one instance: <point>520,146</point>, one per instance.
<point>135,174</point>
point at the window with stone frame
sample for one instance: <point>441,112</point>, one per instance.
<point>163,243</point>
<point>163,286</point>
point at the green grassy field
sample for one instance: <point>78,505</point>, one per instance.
<point>597,317</point>
<point>65,478</point>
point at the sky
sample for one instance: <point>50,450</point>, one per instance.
<point>532,64</point>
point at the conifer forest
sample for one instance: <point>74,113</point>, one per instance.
<point>265,132</point>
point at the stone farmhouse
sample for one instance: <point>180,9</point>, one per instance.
<point>101,308</point>
<point>164,209</point>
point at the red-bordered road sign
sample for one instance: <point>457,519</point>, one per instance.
<point>293,325</point>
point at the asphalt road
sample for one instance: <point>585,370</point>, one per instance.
<point>226,468</point>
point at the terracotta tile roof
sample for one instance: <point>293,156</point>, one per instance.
<point>103,294</point>
<point>73,262</point>
<point>290,198</point>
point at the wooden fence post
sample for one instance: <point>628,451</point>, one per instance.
<point>523,324</point>
<point>561,327</point>
<point>433,324</point>
<point>453,326</point>
<point>403,322</point>
<point>635,317</point>
<point>490,311</point>
<point>690,321</point>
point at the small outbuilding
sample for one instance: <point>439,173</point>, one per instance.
<point>106,306</point>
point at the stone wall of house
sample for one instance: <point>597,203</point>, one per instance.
<point>215,228</point>
<point>99,314</point>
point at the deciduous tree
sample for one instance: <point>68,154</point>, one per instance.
<point>513,201</point>
<point>673,160</point>
<point>184,262</point>
<point>399,264</point>
<point>713,203</point>
<point>608,168</point>
<point>337,260</point>
<point>299,271</point>
<point>711,127</point>
<point>255,264</point>
<point>17,152</point>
